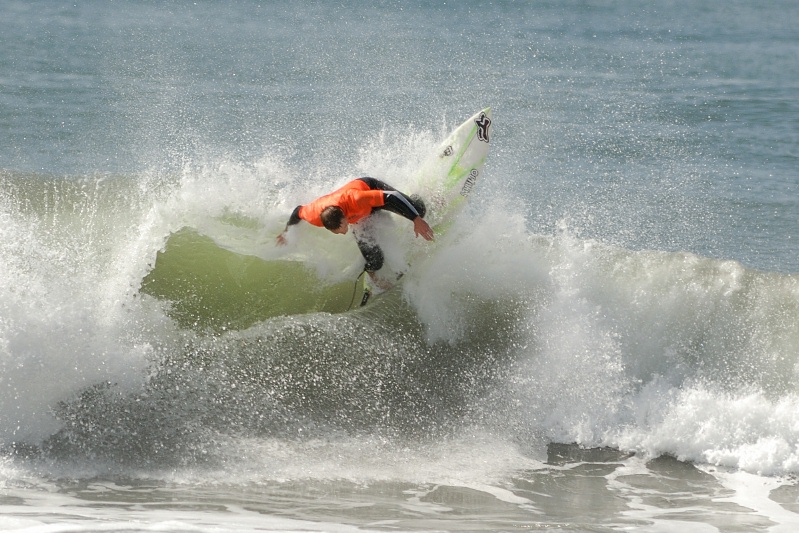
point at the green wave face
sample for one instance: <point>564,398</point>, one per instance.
<point>211,288</point>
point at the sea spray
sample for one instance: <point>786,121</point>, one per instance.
<point>532,338</point>
<point>58,334</point>
<point>627,343</point>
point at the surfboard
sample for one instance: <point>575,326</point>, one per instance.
<point>211,284</point>
<point>446,180</point>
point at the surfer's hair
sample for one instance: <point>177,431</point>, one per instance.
<point>332,216</point>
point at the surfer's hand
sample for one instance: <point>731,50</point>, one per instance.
<point>281,239</point>
<point>420,227</point>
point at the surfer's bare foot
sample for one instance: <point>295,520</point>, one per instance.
<point>379,282</point>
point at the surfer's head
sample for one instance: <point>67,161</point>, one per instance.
<point>333,219</point>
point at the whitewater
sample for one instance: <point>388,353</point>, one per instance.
<point>606,339</point>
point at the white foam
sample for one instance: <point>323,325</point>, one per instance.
<point>649,351</point>
<point>56,335</point>
<point>744,430</point>
<point>752,492</point>
<point>471,459</point>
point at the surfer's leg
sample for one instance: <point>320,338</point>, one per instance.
<point>373,255</point>
<point>365,236</point>
<point>364,233</point>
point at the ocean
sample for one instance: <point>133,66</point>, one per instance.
<point>607,338</point>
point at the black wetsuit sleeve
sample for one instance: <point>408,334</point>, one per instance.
<point>376,184</point>
<point>396,202</point>
<point>295,217</point>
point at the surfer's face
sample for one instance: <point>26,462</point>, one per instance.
<point>342,229</point>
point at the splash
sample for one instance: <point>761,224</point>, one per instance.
<point>526,338</point>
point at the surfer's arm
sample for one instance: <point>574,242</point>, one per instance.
<point>421,227</point>
<point>397,202</point>
<point>393,200</point>
<point>293,219</point>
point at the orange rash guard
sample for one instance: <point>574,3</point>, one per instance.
<point>358,199</point>
<point>355,198</point>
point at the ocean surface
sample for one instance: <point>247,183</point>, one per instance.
<point>607,339</point>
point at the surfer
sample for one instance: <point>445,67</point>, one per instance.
<point>354,203</point>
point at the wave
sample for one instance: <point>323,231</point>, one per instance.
<point>210,287</point>
<point>529,338</point>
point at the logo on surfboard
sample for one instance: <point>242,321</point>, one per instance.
<point>483,122</point>
<point>469,183</point>
<point>447,151</point>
